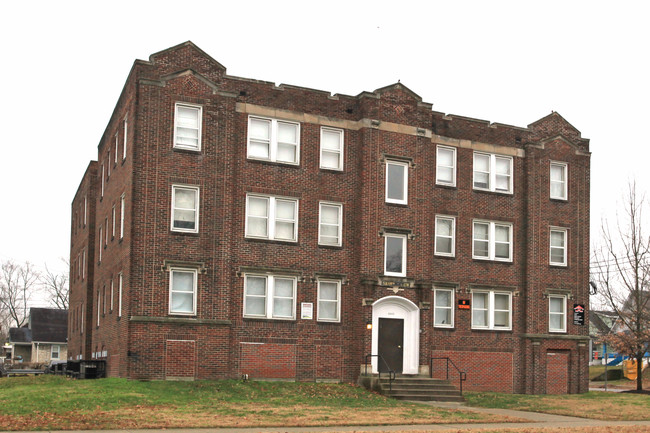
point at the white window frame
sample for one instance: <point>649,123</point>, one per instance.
<point>492,240</point>
<point>112,294</point>
<point>85,209</point>
<point>271,218</point>
<point>452,237</point>
<point>451,308</point>
<point>83,268</point>
<point>122,204</point>
<point>106,232</point>
<point>120,283</point>
<point>337,319</point>
<point>491,310</point>
<point>269,293</point>
<point>199,111</point>
<point>492,173</point>
<point>195,274</point>
<point>113,223</point>
<point>565,172</point>
<point>405,190</point>
<point>99,302</point>
<point>404,255</point>
<point>563,314</point>
<point>102,190</point>
<point>453,166</point>
<point>196,191</point>
<point>339,226</point>
<point>101,247</point>
<point>324,130</point>
<point>273,140</point>
<point>552,247</point>
<point>58,351</point>
<point>117,146</point>
<point>126,127</point>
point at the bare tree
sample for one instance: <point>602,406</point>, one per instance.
<point>17,284</point>
<point>56,287</point>
<point>622,271</point>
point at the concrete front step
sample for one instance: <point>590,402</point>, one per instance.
<point>420,388</point>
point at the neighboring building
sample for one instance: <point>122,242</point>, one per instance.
<point>237,227</point>
<point>43,338</point>
<point>600,324</point>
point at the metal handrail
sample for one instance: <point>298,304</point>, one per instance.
<point>462,374</point>
<point>391,372</point>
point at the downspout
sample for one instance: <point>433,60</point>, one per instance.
<point>36,352</point>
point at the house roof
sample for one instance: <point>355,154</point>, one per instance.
<point>48,324</point>
<point>602,321</point>
<point>20,335</point>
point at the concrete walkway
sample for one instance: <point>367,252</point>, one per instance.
<point>532,420</point>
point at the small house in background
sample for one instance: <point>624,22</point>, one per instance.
<point>43,339</point>
<point>600,324</point>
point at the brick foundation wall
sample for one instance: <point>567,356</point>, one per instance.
<point>268,360</point>
<point>486,371</point>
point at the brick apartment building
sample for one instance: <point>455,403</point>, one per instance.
<point>230,226</point>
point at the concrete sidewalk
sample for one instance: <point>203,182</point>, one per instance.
<point>532,420</point>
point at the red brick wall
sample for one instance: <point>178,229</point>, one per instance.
<point>557,372</point>
<point>486,371</point>
<point>328,362</point>
<point>180,359</point>
<point>268,360</point>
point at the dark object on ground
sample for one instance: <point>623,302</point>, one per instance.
<point>56,367</point>
<point>634,391</point>
<point>86,369</point>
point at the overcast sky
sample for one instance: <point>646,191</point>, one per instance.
<point>64,65</point>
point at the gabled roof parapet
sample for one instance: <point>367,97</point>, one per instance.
<point>190,44</point>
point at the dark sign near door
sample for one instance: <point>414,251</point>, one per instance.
<point>578,314</point>
<point>390,345</point>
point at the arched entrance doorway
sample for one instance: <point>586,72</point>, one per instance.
<point>396,335</point>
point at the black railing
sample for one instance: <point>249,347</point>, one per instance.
<point>462,375</point>
<point>391,372</point>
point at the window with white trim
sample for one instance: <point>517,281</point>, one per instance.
<point>117,144</point>
<point>182,291</point>
<point>492,241</point>
<point>491,310</point>
<point>270,296</point>
<point>185,209</point>
<point>395,255</point>
<point>493,172</point>
<point>55,352</point>
<point>113,221</point>
<point>272,218</point>
<point>273,140</point>
<point>99,302</point>
<point>187,126</point>
<point>558,182</point>
<point>119,294</point>
<point>329,300</point>
<point>557,313</point>
<point>445,236</point>
<point>558,243</point>
<point>112,295</point>
<point>102,190</point>
<point>396,182</point>
<point>331,148</point>
<point>330,225</point>
<point>126,127</point>
<point>122,204</point>
<point>101,247</point>
<point>446,166</point>
<point>443,308</point>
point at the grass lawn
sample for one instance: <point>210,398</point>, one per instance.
<point>58,403</point>
<point>595,405</point>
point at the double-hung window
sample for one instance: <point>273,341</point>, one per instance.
<point>443,310</point>
<point>55,351</point>
<point>493,172</point>
<point>273,140</point>
<point>557,313</point>
<point>122,214</point>
<point>558,183</point>
<point>395,255</point>
<point>446,166</point>
<point>329,301</point>
<point>445,234</point>
<point>397,182</point>
<point>331,148</point>
<point>492,241</point>
<point>330,223</point>
<point>187,126</point>
<point>272,218</point>
<point>185,209</point>
<point>491,310</point>
<point>558,243</point>
<point>126,134</point>
<point>182,291</point>
<point>270,297</point>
